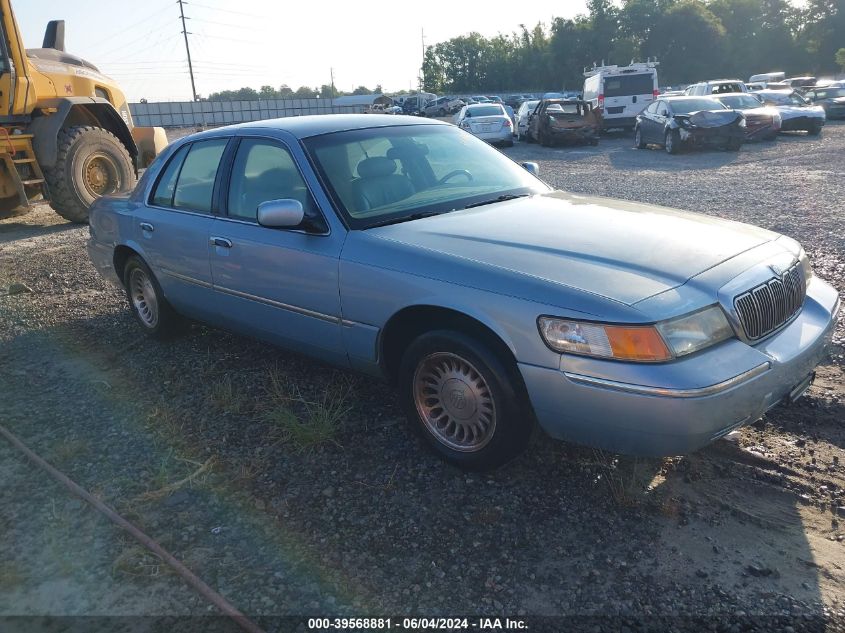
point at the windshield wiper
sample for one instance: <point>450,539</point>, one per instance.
<point>502,198</point>
<point>405,218</point>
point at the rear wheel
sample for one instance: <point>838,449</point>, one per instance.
<point>672,142</point>
<point>734,145</point>
<point>638,138</point>
<point>815,129</point>
<point>91,162</point>
<point>460,396</point>
<point>146,300</point>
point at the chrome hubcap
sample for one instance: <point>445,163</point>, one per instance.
<point>454,402</point>
<point>143,296</point>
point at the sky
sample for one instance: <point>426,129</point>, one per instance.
<point>258,42</point>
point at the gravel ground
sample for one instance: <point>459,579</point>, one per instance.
<point>178,437</point>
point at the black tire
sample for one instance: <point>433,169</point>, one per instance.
<point>734,145</point>
<point>167,322</point>
<point>81,149</point>
<point>441,112</point>
<point>507,144</point>
<point>815,129</point>
<point>672,142</point>
<point>638,138</point>
<point>513,420</point>
<point>544,139</point>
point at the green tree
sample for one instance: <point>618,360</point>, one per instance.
<point>688,41</point>
<point>840,58</point>
<point>304,92</point>
<point>267,92</point>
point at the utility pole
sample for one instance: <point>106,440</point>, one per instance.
<point>422,33</point>
<point>331,74</point>
<point>187,48</point>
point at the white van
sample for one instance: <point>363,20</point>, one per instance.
<point>621,92</point>
<point>767,78</point>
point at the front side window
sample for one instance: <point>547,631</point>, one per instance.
<point>195,182</point>
<point>263,171</point>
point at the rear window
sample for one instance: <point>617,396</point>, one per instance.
<point>626,85</point>
<point>726,88</point>
<point>487,110</point>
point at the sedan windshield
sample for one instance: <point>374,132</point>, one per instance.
<point>830,93</point>
<point>685,106</point>
<point>740,102</point>
<point>391,174</point>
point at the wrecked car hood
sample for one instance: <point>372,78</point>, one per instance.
<point>794,111</point>
<point>711,118</point>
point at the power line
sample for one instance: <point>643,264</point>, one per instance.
<point>251,15</point>
<point>134,25</point>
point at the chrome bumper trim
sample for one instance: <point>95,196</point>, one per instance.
<point>669,392</point>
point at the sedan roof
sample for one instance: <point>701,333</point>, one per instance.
<point>317,124</point>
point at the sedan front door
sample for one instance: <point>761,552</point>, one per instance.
<point>278,284</point>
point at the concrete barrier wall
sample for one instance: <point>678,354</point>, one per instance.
<point>189,113</point>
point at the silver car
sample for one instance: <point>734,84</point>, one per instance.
<point>522,115</point>
<point>487,121</point>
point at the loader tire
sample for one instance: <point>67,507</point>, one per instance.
<point>90,162</point>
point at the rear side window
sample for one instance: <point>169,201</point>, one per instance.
<point>195,186</point>
<point>163,193</point>
<point>627,85</point>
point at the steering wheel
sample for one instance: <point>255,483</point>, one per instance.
<point>452,174</point>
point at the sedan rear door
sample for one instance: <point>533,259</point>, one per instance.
<point>172,229</point>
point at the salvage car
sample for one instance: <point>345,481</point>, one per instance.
<point>557,121</point>
<point>522,116</point>
<point>715,87</point>
<point>761,122</point>
<point>678,122</point>
<point>796,112</point>
<point>487,121</point>
<point>830,98</point>
<point>405,248</point>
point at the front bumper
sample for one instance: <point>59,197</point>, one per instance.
<point>713,136</point>
<point>801,123</point>
<point>659,409</point>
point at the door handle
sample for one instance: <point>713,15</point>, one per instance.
<point>146,226</point>
<point>221,241</point>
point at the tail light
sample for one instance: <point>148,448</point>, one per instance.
<point>655,94</point>
<point>601,102</point>
<point>506,123</point>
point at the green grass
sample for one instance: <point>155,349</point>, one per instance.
<point>306,423</point>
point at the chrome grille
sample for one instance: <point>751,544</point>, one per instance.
<point>766,307</point>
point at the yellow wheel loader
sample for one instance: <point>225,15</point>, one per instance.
<point>66,134</point>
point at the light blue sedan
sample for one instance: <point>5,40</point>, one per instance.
<point>408,249</point>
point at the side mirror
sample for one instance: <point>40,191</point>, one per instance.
<point>531,168</point>
<point>286,213</point>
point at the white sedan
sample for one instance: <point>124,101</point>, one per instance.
<point>525,110</point>
<point>487,121</point>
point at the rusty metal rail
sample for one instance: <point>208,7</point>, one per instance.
<point>192,579</point>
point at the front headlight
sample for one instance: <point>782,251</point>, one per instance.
<point>690,333</point>
<point>644,343</point>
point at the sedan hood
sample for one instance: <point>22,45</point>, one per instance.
<point>795,111</point>
<point>620,250</point>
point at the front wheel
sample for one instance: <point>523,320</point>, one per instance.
<point>441,112</point>
<point>463,399</point>
<point>91,162</point>
<point>815,129</point>
<point>734,144</point>
<point>672,142</point>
